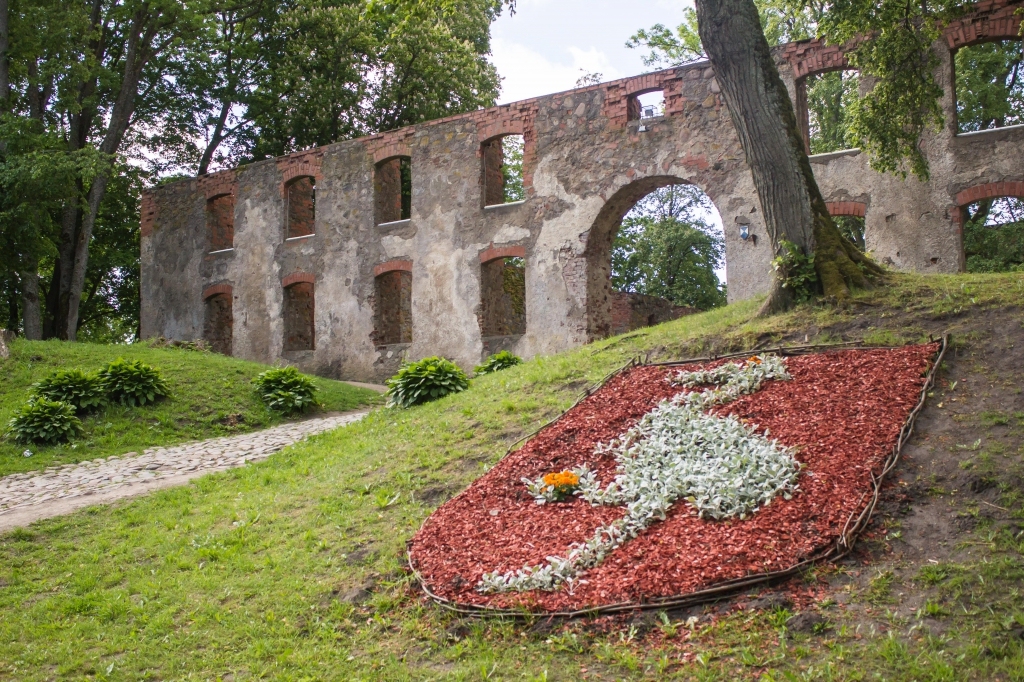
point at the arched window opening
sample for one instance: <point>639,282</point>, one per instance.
<point>655,253</point>
<point>301,207</point>
<point>218,322</point>
<point>824,103</point>
<point>989,85</point>
<point>503,170</point>
<point>299,307</point>
<point>220,222</point>
<point>392,321</point>
<point>849,218</point>
<point>502,297</point>
<point>852,227</point>
<point>994,235</point>
<point>646,105</point>
<point>392,187</point>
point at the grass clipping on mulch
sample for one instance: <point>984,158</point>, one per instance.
<point>839,414</point>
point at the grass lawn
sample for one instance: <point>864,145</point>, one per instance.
<point>210,395</point>
<point>256,573</point>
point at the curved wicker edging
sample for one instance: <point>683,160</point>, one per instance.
<point>844,545</point>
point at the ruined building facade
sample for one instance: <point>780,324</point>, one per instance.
<point>320,259</point>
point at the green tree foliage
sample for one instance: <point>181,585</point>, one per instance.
<point>667,247</point>
<point>512,167</point>
<point>994,236</point>
<point>106,97</point>
<point>891,44</point>
<point>830,97</point>
<point>990,85</point>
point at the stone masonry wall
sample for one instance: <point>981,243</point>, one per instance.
<point>585,164</point>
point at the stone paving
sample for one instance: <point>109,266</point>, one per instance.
<point>132,473</point>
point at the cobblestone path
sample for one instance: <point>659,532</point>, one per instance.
<point>27,497</point>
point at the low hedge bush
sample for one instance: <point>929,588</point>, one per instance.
<point>45,421</point>
<point>497,362</point>
<point>82,391</point>
<point>428,379</point>
<point>285,389</point>
<point>132,383</point>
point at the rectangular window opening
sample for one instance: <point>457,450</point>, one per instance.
<point>503,170</point>
<point>220,223</point>
<point>989,85</point>
<point>392,297</point>
<point>301,207</point>
<point>503,297</point>
<point>392,188</point>
<point>299,308</point>
<point>646,105</point>
<point>218,323</point>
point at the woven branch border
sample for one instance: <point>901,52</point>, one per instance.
<point>843,546</point>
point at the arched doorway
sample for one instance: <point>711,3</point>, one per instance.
<point>655,252</point>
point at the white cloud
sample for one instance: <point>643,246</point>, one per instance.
<point>528,73</point>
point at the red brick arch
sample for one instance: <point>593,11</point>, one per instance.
<point>496,252</point>
<point>852,208</point>
<point>217,184</point>
<point>990,190</point>
<point>297,277</point>
<point>391,266</point>
<point>390,150</point>
<point>217,289</point>
<point>990,20</point>
<point>809,57</point>
<point>507,125</point>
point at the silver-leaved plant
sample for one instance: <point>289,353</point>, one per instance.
<point>720,465</point>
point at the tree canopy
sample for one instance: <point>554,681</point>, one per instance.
<point>889,43</point>
<point>667,247</point>
<point>100,98</point>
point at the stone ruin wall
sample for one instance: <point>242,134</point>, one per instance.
<point>365,269</point>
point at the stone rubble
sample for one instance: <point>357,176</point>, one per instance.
<point>18,491</point>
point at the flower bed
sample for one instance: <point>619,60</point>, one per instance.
<point>838,414</point>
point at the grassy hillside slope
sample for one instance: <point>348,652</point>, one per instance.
<point>210,395</point>
<point>293,568</point>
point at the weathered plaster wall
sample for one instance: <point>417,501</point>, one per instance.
<point>585,165</point>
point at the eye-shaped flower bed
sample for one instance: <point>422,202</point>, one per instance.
<point>673,481</point>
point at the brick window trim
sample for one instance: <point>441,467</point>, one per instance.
<point>496,252</point>
<point>991,20</point>
<point>391,151</point>
<point>989,190</point>
<point>297,277</point>
<point>487,132</point>
<point>391,266</point>
<point>216,289</point>
<point>852,208</point>
<point>218,184</point>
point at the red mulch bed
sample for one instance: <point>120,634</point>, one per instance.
<point>843,410</point>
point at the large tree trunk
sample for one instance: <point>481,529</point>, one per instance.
<point>763,114</point>
<point>30,318</point>
<point>137,54</point>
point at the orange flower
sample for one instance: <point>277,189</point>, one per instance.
<point>564,479</point>
<point>754,359</point>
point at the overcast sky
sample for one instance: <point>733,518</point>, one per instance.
<point>542,47</point>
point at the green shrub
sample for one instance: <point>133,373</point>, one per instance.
<point>44,421</point>
<point>82,391</point>
<point>498,362</point>
<point>132,383</point>
<point>423,381</point>
<point>285,389</point>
